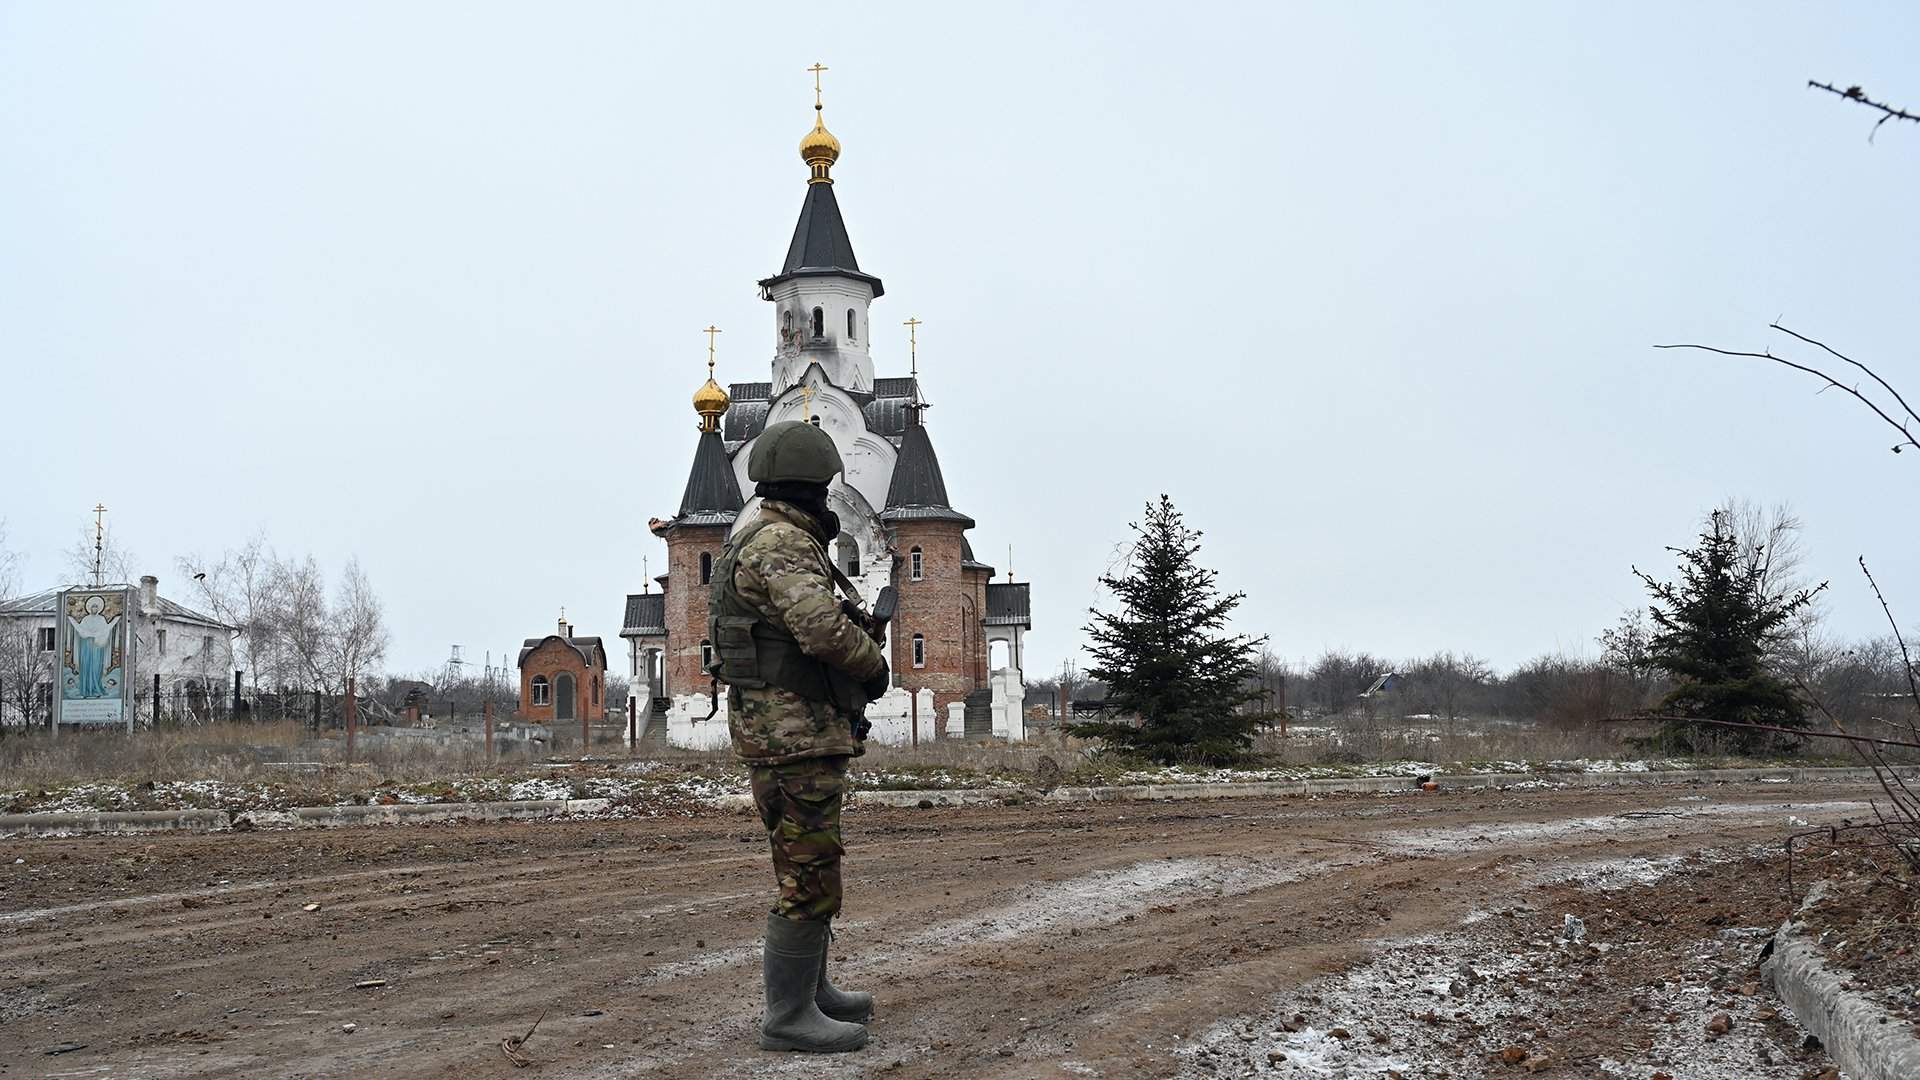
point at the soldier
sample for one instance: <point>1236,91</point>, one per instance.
<point>799,669</point>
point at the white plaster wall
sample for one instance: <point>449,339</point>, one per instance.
<point>847,362</point>
<point>1009,686</point>
<point>869,458</point>
<point>892,717</point>
<point>685,728</point>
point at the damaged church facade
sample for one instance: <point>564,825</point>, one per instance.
<point>956,645</point>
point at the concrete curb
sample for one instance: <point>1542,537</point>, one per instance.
<point>1866,1041</point>
<point>305,817</point>
<point>1342,785</point>
<point>106,821</point>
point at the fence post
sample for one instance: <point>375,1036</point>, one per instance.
<point>156,703</point>
<point>353,712</point>
<point>487,710</point>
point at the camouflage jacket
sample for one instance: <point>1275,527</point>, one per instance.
<point>783,575</point>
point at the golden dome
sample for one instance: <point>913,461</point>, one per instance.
<point>711,399</point>
<point>820,149</point>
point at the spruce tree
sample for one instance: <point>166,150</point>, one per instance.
<point>1713,631</point>
<point>1166,656</point>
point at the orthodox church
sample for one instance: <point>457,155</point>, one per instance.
<point>956,643</point>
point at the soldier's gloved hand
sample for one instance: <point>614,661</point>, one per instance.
<point>879,684</point>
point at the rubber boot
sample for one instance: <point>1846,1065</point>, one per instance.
<point>855,1007</point>
<point>791,966</point>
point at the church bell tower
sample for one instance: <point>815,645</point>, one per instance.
<point>820,296</point>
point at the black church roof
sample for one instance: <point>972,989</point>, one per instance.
<point>1009,604</point>
<point>713,495</point>
<point>820,244</point>
<point>885,409</point>
<point>918,491</point>
<point>646,615</point>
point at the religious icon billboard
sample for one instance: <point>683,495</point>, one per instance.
<point>94,666</point>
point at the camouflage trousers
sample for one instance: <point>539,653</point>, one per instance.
<point>799,803</point>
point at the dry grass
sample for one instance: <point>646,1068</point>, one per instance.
<point>280,752</point>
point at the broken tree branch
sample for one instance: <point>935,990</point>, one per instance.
<point>1855,93</point>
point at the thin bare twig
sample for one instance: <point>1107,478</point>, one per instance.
<point>513,1045</point>
<point>1906,658</point>
<point>1907,438</point>
<point>1854,93</point>
<point>1874,375</point>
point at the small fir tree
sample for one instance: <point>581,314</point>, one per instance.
<point>1713,631</point>
<point>1166,657</point>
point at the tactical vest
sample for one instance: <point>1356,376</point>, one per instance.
<point>751,651</point>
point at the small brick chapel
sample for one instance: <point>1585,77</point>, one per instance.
<point>563,677</point>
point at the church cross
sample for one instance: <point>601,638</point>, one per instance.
<point>99,543</point>
<point>817,68</point>
<point>913,345</point>
<point>806,402</point>
<point>710,331</point>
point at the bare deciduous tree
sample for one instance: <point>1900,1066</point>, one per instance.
<point>292,635</point>
<point>115,563</point>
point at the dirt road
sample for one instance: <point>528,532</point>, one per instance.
<point>1112,940</point>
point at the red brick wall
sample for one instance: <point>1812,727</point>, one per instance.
<point>553,658</point>
<point>935,607</point>
<point>686,604</point>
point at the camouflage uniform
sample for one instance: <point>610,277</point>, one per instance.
<point>798,748</point>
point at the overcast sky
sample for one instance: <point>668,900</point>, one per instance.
<point>1369,289</point>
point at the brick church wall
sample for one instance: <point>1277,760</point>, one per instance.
<point>686,604</point>
<point>936,607</point>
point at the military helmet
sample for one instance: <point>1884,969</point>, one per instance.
<point>793,451</point>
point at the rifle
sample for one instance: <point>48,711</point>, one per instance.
<point>874,622</point>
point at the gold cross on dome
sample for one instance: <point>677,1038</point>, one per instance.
<point>806,402</point>
<point>913,345</point>
<point>817,68</point>
<point>710,331</point>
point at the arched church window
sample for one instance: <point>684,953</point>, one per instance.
<point>919,650</point>
<point>815,421</point>
<point>846,552</point>
<point>706,567</point>
<point>819,323</point>
<point>786,321</point>
<point>595,689</point>
<point>849,324</point>
<point>916,562</point>
<point>542,691</point>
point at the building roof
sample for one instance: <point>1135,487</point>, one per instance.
<point>44,601</point>
<point>1008,604</point>
<point>713,495</point>
<point>587,647</point>
<point>884,409</point>
<point>967,560</point>
<point>820,244</point>
<point>646,615</point>
<point>918,491</point>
